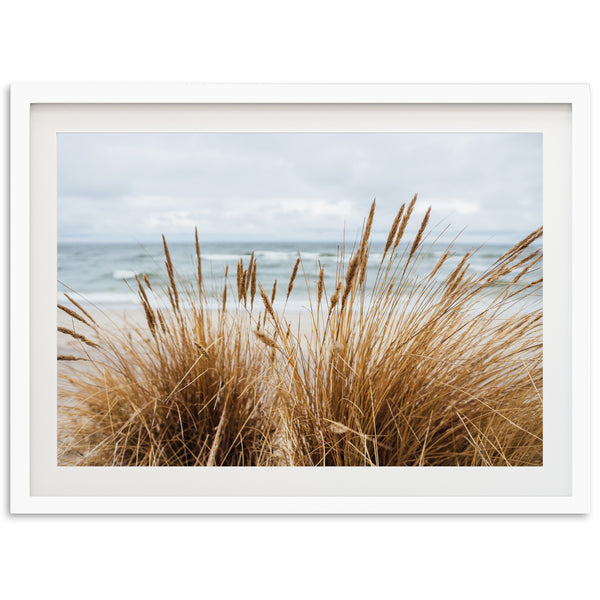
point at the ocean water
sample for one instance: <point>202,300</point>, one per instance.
<point>103,274</point>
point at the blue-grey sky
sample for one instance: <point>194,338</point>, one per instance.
<point>291,186</point>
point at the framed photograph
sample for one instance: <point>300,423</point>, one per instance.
<point>300,298</point>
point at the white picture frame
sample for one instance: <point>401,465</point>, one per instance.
<point>38,111</point>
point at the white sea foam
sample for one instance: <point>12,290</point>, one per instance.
<point>310,255</point>
<point>223,257</point>
<point>123,274</point>
<point>273,255</point>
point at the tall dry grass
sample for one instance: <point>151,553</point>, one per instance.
<point>185,389</point>
<point>423,370</point>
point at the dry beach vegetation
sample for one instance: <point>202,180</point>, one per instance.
<point>424,370</point>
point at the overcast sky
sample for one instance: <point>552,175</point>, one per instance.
<point>128,187</point>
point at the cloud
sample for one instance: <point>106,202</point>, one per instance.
<point>286,208</point>
<point>291,186</point>
<point>184,220</point>
<point>449,206</point>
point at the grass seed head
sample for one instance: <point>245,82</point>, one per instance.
<point>404,222</point>
<point>292,278</point>
<point>320,285</point>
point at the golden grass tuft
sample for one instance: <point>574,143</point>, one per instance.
<point>425,370</point>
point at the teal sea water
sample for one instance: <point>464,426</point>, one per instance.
<point>103,274</point>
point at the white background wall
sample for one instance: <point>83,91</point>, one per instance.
<point>279,557</point>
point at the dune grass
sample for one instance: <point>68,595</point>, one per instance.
<point>424,370</point>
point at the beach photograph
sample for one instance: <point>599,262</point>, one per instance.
<point>300,299</point>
